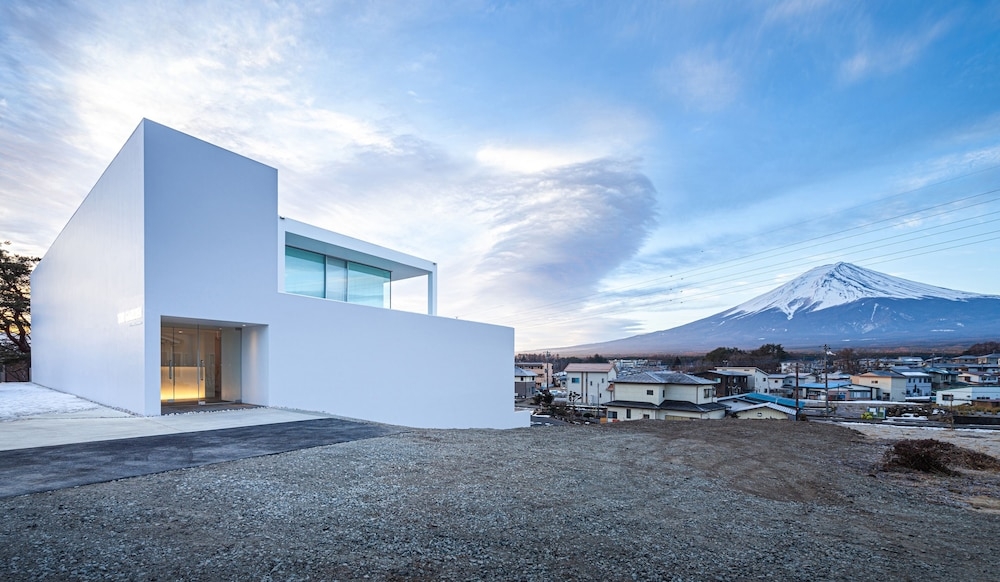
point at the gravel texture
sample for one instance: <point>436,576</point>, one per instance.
<point>646,500</point>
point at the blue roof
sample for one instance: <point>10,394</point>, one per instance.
<point>789,402</point>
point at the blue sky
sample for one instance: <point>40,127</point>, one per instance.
<point>581,171</point>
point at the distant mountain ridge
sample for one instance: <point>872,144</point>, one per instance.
<point>841,304</point>
<point>833,285</point>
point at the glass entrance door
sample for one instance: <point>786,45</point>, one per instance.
<point>199,363</point>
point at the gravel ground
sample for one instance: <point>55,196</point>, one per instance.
<point>646,500</point>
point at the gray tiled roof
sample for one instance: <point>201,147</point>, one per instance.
<point>679,405</point>
<point>662,378</point>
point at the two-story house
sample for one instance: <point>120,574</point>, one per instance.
<point>591,382</point>
<point>524,382</point>
<point>891,385</point>
<point>542,372</point>
<point>664,396</point>
<point>918,382</point>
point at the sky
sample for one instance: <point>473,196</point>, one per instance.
<point>580,171</point>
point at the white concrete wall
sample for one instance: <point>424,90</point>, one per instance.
<point>383,365</point>
<point>211,227</point>
<point>89,324</point>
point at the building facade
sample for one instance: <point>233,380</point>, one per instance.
<point>664,396</point>
<point>176,280</point>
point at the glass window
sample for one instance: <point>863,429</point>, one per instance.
<point>367,285</point>
<point>304,272</point>
<point>336,279</point>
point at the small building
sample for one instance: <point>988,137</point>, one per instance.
<point>968,395</point>
<point>664,396</point>
<point>891,385</point>
<point>979,378</point>
<point>918,381</point>
<point>727,383</point>
<point>942,378</point>
<point>591,382</point>
<point>542,372</point>
<point>756,378</point>
<point>524,382</point>
<point>765,411</point>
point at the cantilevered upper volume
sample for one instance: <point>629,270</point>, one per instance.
<point>177,282</point>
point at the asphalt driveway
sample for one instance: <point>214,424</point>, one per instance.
<point>33,470</point>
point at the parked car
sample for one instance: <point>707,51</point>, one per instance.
<point>907,416</point>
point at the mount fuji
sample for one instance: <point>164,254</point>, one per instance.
<point>842,305</point>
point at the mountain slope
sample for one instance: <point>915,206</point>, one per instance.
<point>843,305</point>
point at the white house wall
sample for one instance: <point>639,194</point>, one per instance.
<point>211,227</point>
<point>88,294</point>
<point>383,365</point>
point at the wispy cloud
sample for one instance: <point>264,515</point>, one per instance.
<point>793,9</point>
<point>702,81</point>
<point>884,57</point>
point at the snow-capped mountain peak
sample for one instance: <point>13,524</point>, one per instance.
<point>833,285</point>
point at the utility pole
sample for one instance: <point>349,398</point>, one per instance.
<point>796,390</point>
<point>826,378</point>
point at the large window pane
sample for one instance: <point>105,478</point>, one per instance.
<point>304,272</point>
<point>367,285</point>
<point>336,279</point>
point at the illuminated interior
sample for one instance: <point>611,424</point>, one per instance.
<point>200,363</point>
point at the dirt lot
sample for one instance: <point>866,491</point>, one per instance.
<point>646,500</point>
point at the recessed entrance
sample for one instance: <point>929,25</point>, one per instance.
<point>200,364</point>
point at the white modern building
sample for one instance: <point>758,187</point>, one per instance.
<point>177,281</point>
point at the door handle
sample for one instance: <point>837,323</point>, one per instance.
<point>201,370</point>
<point>170,370</point>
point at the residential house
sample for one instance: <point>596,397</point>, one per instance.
<point>748,407</point>
<point>524,382</point>
<point>941,378</point>
<point>992,360</point>
<point>891,385</point>
<point>727,383</point>
<point>979,378</point>
<point>591,382</point>
<point>918,381</point>
<point>542,371</point>
<point>968,395</point>
<point>756,378</point>
<point>176,280</point>
<point>766,411</point>
<point>664,396</point>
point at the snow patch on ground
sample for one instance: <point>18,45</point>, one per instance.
<point>22,399</point>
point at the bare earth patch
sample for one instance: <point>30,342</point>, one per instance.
<point>646,500</point>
